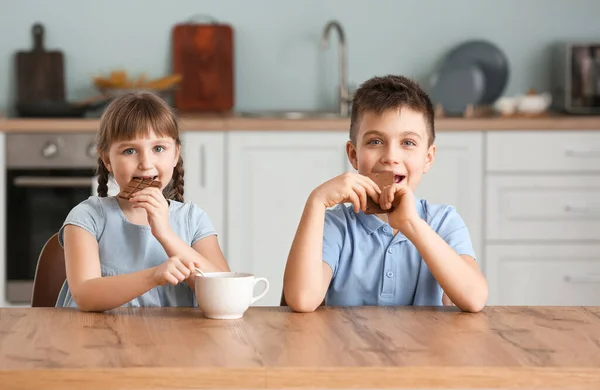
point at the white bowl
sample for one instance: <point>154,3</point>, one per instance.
<point>506,105</point>
<point>534,104</point>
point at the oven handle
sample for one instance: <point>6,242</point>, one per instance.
<point>40,181</point>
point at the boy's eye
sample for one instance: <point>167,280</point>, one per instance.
<point>129,151</point>
<point>375,142</point>
<point>409,143</point>
<point>159,148</point>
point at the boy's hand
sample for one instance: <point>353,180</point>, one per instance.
<point>173,271</point>
<point>405,210</point>
<point>347,187</point>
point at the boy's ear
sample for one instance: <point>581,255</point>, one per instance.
<point>429,158</point>
<point>351,152</point>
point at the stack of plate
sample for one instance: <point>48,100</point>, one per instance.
<point>473,73</point>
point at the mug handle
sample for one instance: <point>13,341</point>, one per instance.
<point>263,293</point>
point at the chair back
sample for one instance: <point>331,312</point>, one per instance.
<point>50,274</point>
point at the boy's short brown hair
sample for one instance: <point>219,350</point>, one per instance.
<point>379,94</point>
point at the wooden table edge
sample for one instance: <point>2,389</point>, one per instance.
<point>301,377</point>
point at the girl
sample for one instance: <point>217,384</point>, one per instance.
<point>137,252</point>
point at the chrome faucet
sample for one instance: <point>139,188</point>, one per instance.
<point>345,97</point>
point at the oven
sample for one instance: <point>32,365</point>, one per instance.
<point>47,175</point>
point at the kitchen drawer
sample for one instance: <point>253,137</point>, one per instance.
<point>540,151</point>
<point>552,275</point>
<point>543,207</point>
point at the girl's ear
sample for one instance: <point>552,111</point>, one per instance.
<point>106,162</point>
<point>177,153</point>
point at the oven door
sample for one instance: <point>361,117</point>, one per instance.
<point>38,201</point>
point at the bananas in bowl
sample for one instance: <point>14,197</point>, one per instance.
<point>118,83</point>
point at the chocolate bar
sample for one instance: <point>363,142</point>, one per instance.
<point>138,184</point>
<point>383,180</point>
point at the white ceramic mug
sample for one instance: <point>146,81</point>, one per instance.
<point>227,295</point>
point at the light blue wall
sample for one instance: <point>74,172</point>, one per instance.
<point>279,61</point>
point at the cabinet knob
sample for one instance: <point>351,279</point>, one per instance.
<point>50,150</point>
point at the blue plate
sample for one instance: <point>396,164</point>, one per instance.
<point>490,59</point>
<point>455,86</point>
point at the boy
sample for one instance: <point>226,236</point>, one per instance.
<point>415,253</point>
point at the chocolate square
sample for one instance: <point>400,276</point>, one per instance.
<point>137,184</point>
<point>383,180</point>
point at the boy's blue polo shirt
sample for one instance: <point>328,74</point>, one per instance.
<point>371,266</point>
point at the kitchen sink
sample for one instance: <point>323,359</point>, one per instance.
<point>286,114</point>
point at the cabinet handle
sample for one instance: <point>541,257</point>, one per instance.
<point>53,182</point>
<point>582,153</point>
<point>582,278</point>
<point>202,167</point>
<point>582,210</point>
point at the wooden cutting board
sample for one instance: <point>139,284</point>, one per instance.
<point>203,55</point>
<point>40,73</point>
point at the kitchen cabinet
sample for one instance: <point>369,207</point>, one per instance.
<point>203,156</point>
<point>543,218</point>
<point>547,207</point>
<point>543,151</point>
<point>544,274</point>
<point>456,178</point>
<point>270,176</point>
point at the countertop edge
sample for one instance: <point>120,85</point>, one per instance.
<point>224,123</point>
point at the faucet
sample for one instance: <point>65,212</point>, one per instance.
<point>344,94</point>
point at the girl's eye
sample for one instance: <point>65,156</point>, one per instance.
<point>129,151</point>
<point>375,142</point>
<point>159,148</point>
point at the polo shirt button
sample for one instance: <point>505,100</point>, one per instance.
<point>386,229</point>
<point>389,274</point>
<point>390,250</point>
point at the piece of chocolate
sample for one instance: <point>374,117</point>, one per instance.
<point>383,180</point>
<point>138,184</point>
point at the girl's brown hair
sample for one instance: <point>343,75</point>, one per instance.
<point>133,116</point>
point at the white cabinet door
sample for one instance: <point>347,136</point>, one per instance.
<point>270,176</point>
<point>543,207</point>
<point>543,151</point>
<point>548,275</point>
<point>204,162</point>
<point>456,178</point>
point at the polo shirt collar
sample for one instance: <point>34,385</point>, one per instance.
<point>371,223</point>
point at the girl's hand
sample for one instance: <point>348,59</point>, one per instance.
<point>153,201</point>
<point>446,301</point>
<point>347,187</point>
<point>173,271</point>
<point>405,210</point>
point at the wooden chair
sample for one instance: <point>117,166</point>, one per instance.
<point>50,274</point>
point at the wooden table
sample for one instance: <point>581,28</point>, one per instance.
<point>369,347</point>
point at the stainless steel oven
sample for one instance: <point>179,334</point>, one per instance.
<point>47,175</point>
